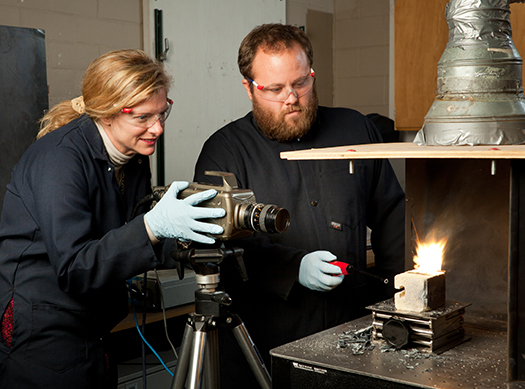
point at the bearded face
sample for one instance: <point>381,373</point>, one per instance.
<point>291,122</point>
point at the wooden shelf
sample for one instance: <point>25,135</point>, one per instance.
<point>408,150</point>
<point>129,321</point>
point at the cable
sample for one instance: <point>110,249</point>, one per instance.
<point>140,333</point>
<point>164,314</point>
<point>155,196</point>
<point>143,328</point>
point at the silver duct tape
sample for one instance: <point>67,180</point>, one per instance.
<point>471,134</point>
<point>480,107</point>
<point>460,7</point>
<point>493,78</point>
<point>479,95</point>
<point>479,22</point>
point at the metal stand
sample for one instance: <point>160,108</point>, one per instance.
<point>198,363</point>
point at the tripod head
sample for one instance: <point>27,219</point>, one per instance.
<point>208,299</point>
<point>205,261</point>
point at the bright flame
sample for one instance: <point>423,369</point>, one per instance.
<point>429,256</point>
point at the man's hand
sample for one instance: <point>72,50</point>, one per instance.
<point>316,273</point>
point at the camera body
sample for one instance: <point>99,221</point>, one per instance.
<point>243,214</point>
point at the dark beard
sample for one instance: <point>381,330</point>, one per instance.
<point>279,129</point>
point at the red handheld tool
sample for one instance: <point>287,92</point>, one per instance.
<point>343,266</point>
<point>347,269</point>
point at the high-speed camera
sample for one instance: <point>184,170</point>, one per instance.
<point>243,214</point>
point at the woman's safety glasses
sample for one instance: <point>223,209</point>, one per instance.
<point>146,120</point>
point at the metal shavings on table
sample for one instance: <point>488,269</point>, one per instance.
<point>358,340</point>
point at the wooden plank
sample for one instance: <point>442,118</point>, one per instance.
<point>517,21</point>
<point>421,34</point>
<point>408,150</point>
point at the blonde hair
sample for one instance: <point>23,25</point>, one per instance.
<point>115,80</point>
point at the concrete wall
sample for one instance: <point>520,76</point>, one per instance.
<point>319,27</point>
<point>297,10</point>
<point>361,55</point>
<point>77,32</point>
<point>363,61</point>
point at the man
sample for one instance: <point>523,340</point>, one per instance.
<point>293,290</point>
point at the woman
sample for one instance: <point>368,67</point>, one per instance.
<point>68,240</point>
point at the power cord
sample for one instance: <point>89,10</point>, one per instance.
<point>154,196</point>
<point>142,336</point>
<point>164,315</point>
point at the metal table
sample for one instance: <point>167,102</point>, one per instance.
<point>317,362</point>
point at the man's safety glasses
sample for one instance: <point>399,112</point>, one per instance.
<point>280,93</point>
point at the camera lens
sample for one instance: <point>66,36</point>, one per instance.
<point>265,218</point>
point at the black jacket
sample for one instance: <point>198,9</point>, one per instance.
<point>66,250</point>
<point>330,210</point>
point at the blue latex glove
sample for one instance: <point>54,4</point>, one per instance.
<point>175,218</point>
<point>316,273</point>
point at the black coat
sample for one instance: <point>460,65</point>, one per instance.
<point>330,210</point>
<point>65,253</point>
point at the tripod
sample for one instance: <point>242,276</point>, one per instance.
<point>198,362</point>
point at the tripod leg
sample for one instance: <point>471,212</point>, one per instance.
<point>250,352</point>
<point>191,360</point>
<point>197,359</point>
<point>181,372</point>
<point>211,374</point>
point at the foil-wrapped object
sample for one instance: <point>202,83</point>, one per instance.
<point>479,95</point>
